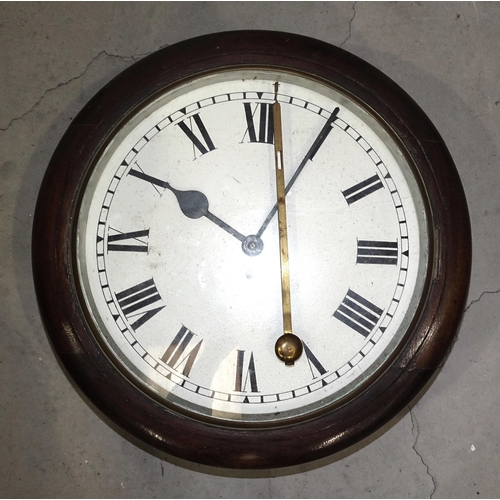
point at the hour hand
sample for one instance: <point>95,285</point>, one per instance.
<point>194,204</point>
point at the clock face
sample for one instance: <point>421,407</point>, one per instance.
<point>178,256</point>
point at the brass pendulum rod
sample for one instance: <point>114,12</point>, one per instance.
<point>288,348</point>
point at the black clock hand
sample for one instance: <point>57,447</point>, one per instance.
<point>323,134</point>
<point>193,204</point>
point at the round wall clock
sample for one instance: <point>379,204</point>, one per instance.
<point>251,249</point>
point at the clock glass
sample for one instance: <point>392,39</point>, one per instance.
<point>178,254</point>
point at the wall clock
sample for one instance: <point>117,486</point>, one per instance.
<point>251,249</point>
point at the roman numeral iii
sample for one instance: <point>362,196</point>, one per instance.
<point>358,313</point>
<point>377,252</point>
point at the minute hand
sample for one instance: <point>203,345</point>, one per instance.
<point>323,134</point>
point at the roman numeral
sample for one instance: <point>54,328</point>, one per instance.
<point>178,353</point>
<point>362,189</point>
<point>314,365</point>
<point>377,252</point>
<point>134,302</point>
<point>204,143</point>
<point>244,377</point>
<point>358,313</point>
<point>263,129</point>
<point>137,241</point>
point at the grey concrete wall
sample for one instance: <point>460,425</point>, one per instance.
<point>55,56</point>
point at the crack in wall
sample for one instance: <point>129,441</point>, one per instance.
<point>63,84</point>
<point>350,24</point>
<point>415,430</point>
<point>489,292</point>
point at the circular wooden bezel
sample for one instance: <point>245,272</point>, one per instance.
<point>426,345</point>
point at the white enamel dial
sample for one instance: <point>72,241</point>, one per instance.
<point>178,253</point>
